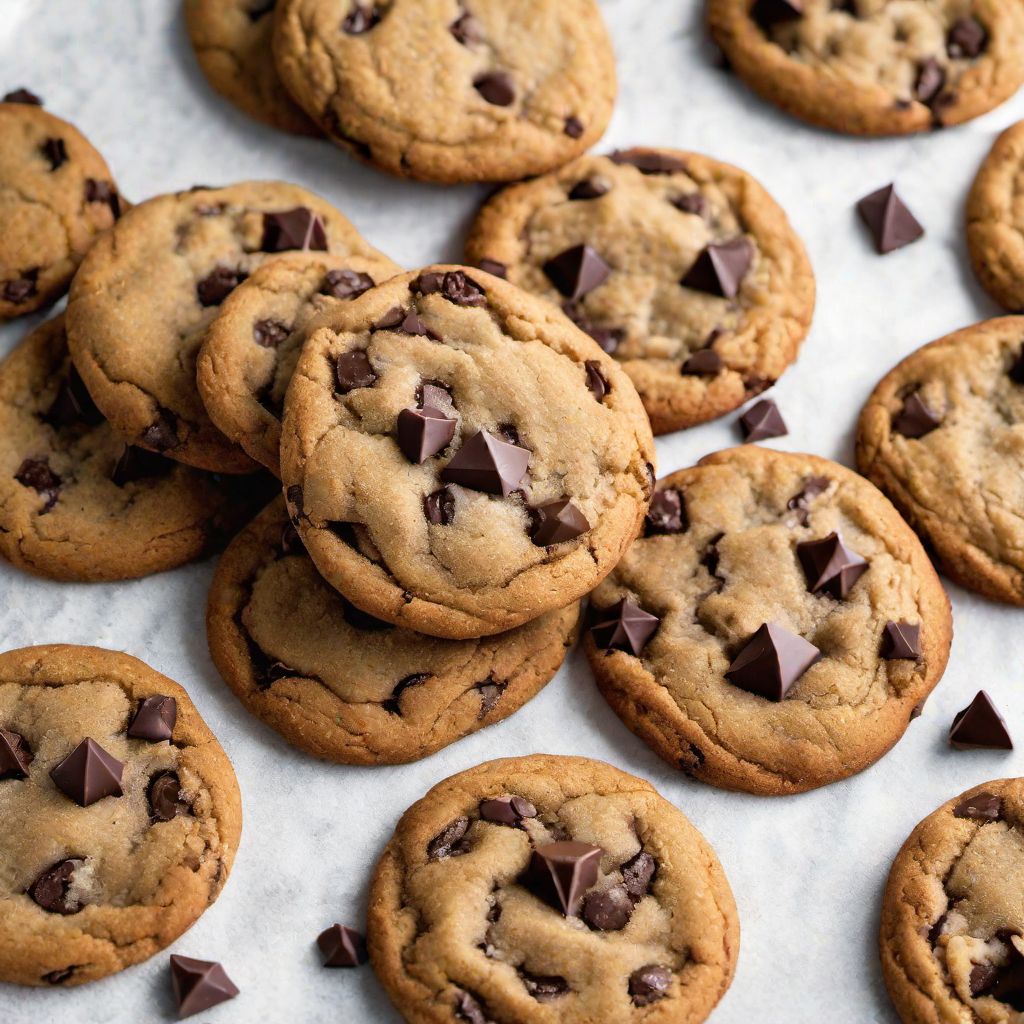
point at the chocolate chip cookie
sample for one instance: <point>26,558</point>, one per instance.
<point>345,686</point>
<point>56,197</point>
<point>231,39</point>
<point>76,502</point>
<point>681,267</point>
<point>122,814</point>
<point>458,457</point>
<point>952,935</point>
<point>451,90</point>
<point>776,626</point>
<point>875,67</point>
<point>940,436</point>
<point>146,293</point>
<point>995,220</point>
<point>251,349</point>
<point>550,889</point>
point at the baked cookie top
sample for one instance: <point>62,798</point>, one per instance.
<point>345,686</point>
<point>146,293</point>
<point>952,935</point>
<point>127,814</point>
<point>680,266</point>
<point>875,67</point>
<point>458,457</point>
<point>544,889</point>
<point>943,435</point>
<point>56,196</point>
<point>251,349</point>
<point>232,41</point>
<point>995,220</point>
<point>775,628</point>
<point>451,90</point>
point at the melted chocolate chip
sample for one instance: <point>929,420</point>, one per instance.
<point>269,333</point>
<point>450,841</point>
<point>37,475</point>
<point>213,289</point>
<point>393,704</point>
<point>439,507</point>
<point>346,284</point>
<point>166,800</point>
<point>51,890</point>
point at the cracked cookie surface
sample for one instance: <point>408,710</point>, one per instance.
<point>451,90</point>
<point>952,932</point>
<point>697,341</point>
<point>251,349</point>
<point>145,295</point>
<point>724,554</point>
<point>350,688</point>
<point>461,929</point>
<point>943,436</point>
<point>875,67</point>
<point>86,891</point>
<point>458,457</point>
<point>76,503</point>
<point>56,197</point>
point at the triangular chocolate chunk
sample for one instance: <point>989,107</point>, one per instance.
<point>830,566</point>
<point>901,640</point>
<point>704,363</point>
<point>154,720</point>
<point>625,626</point>
<point>667,513</point>
<point>300,228</point>
<point>199,985</point>
<point>424,432</point>
<point>720,268</point>
<point>15,755</point>
<point>560,873</point>
<point>763,421</point>
<point>891,224</point>
<point>486,463</point>
<point>915,419</point>
<point>88,774</point>
<point>342,946</point>
<point>771,661</point>
<point>557,522</point>
<point>577,271</point>
<point>980,725</point>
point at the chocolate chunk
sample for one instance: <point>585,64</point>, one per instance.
<point>218,285</point>
<point>36,474</point>
<point>608,911</point>
<point>931,77</point>
<point>544,988</point>
<point>901,640</point>
<point>980,807</point>
<point>574,127</point>
<point>138,464</point>
<point>705,362</point>
<point>21,289</point>
<point>490,693</point>
<point>346,284</point>
<point>981,978</point>
<point>393,705</point>
<point>890,222</point>
<point>458,287</point>
<point>493,267</point>
<point>199,984</point>
<point>450,841</point>
<point>88,774</point>
<point>103,192</point>
<point>967,38</point>
<point>980,725</point>
<point>51,890</point>
<point>625,626</point>
<point>497,87</point>
<point>423,433</point>
<point>762,421</point>
<point>353,370</point>
<point>413,325</point>
<point>648,161</point>
<point>830,566</point>
<point>341,946</point>
<point>650,983</point>
<point>300,228</point>
<point>360,19</point>
<point>469,1009</point>
<point>166,800</point>
<point>768,13</point>
<point>557,522</point>
<point>154,720</point>
<point>428,283</point>
<point>560,873</point>
<point>1008,986</point>
<point>485,463</point>
<point>73,404</point>
<point>507,810</point>
<point>162,433</point>
<point>390,320</point>
<point>590,188</point>
<point>439,507</point>
<point>15,755</point>
<point>577,271</point>
<point>467,29</point>
<point>710,560</point>
<point>596,383</point>
<point>800,503</point>
<point>269,333</point>
<point>59,976</point>
<point>691,202</point>
<point>638,873</point>
<point>719,269</point>
<point>23,96</point>
<point>667,513</point>
<point>771,661</point>
<point>56,152</point>
<point>915,419</point>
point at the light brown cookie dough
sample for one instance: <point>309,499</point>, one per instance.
<point>860,630</point>
<point>76,503</point>
<point>696,342</point>
<point>465,924</point>
<point>251,349</point>
<point>145,295</point>
<point>344,686</point>
<point>943,435</point>
<point>56,197</point>
<point>86,891</point>
<point>952,935</point>
<point>451,90</point>
<point>531,479</point>
<point>875,67</point>
<point>995,220</point>
<point>232,41</point>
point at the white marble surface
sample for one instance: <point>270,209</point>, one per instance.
<point>807,871</point>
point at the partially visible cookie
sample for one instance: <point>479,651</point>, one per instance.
<point>251,349</point>
<point>943,435</point>
<point>56,197</point>
<point>145,295</point>
<point>451,90</point>
<point>121,812</point>
<point>995,220</point>
<point>875,67</point>
<point>76,503</point>
<point>232,42</point>
<point>458,457</point>
<point>344,686</point>
<point>952,934</point>
<point>542,889</point>
<point>680,266</point>
<point>775,628</point>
